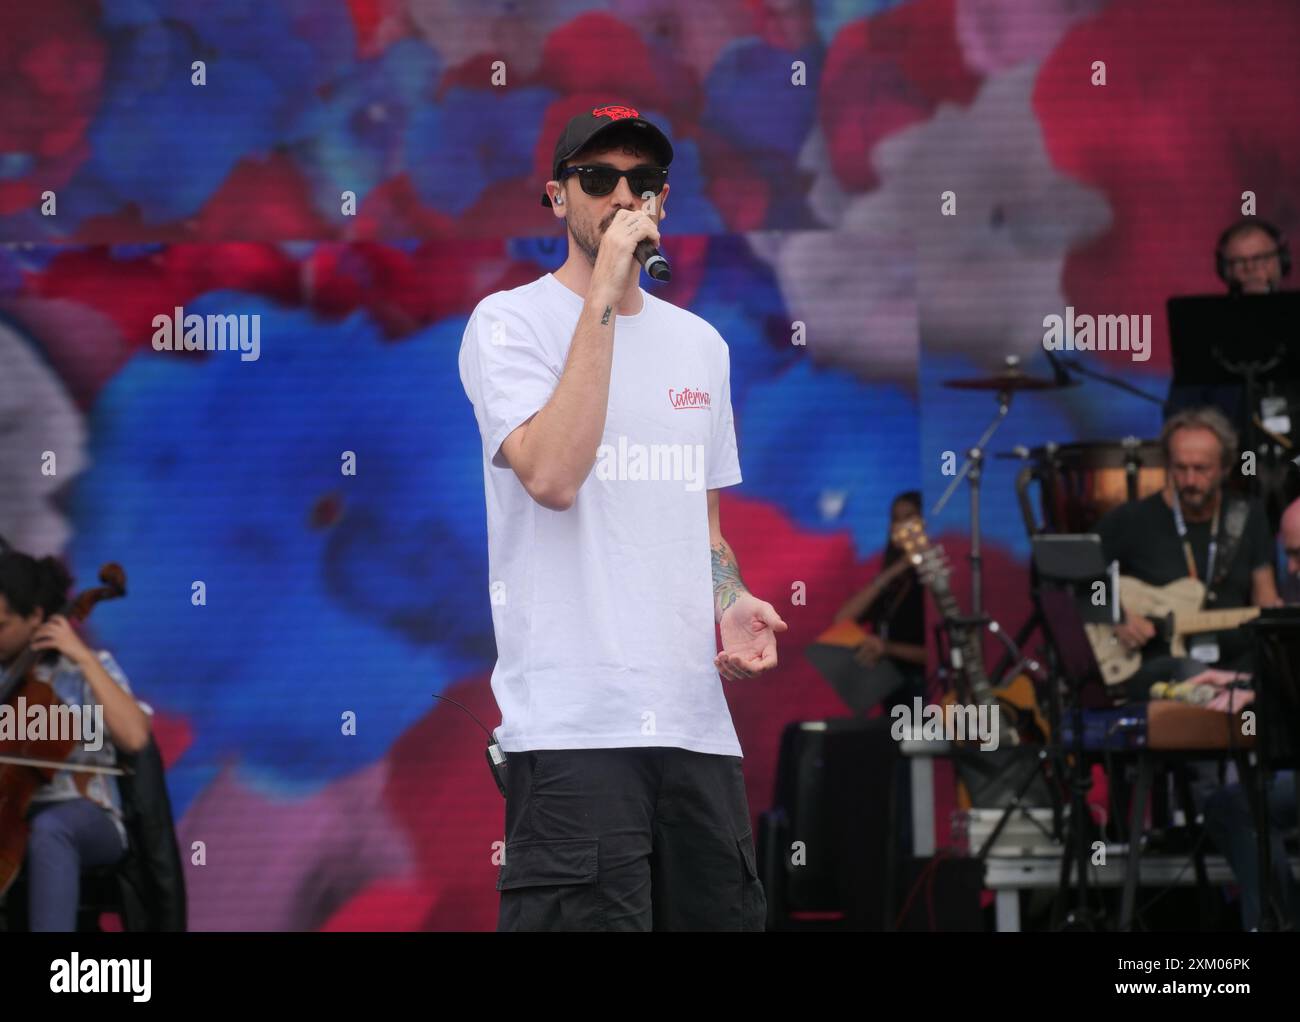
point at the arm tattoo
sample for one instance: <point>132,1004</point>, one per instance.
<point>727,583</point>
<point>605,318</point>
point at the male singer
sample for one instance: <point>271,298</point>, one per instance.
<point>605,414</point>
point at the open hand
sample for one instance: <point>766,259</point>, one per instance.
<point>748,629</point>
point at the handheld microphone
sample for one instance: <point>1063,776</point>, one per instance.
<point>654,263</point>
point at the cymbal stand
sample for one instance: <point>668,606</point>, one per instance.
<point>972,469</point>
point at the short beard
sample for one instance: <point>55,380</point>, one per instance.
<point>587,245</point>
<point>1207,497</point>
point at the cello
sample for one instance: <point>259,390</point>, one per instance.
<point>28,764</point>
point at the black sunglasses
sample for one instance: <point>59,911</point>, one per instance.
<point>598,180</point>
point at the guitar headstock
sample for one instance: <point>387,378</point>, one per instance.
<point>909,536</point>
<point>931,562</point>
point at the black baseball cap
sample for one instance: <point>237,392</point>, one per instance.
<point>580,130</point>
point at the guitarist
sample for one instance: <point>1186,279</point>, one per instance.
<point>1193,527</point>
<point>893,604</point>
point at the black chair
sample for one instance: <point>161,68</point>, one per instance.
<point>150,878</point>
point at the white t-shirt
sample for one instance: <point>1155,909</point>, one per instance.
<point>603,613</point>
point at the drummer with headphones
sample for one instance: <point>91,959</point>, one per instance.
<point>1252,257</point>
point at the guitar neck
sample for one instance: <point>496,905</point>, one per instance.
<point>971,654</point>
<point>967,638</point>
<point>1213,620</point>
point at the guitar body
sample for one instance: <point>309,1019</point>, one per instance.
<point>1019,721</point>
<point>1118,663</point>
<point>1175,609</point>
<point>1017,700</point>
<point>884,676</point>
<point>860,687</point>
<point>1181,596</point>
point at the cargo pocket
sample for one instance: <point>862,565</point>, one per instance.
<point>551,885</point>
<point>752,899</point>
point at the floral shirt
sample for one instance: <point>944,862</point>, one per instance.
<point>71,687</point>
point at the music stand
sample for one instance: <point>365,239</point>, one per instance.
<point>1065,567</point>
<point>1216,339</point>
<point>1277,685</point>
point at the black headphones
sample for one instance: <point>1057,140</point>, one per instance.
<point>1279,239</point>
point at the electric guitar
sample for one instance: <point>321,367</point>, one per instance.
<point>1173,609</point>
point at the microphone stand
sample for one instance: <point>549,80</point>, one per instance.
<point>972,467</point>
<point>1074,365</point>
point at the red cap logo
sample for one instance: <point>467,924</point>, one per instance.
<point>616,113</point>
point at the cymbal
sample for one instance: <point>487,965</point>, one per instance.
<point>1008,379</point>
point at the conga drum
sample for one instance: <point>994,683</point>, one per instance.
<point>1081,482</point>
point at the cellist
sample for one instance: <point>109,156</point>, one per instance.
<point>76,818</point>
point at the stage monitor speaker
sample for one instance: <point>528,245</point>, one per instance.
<point>830,847</point>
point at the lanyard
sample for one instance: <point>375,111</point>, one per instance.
<point>1187,546</point>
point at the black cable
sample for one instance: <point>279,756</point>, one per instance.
<point>941,854</point>
<point>453,702</point>
<point>1196,847</point>
<point>496,756</point>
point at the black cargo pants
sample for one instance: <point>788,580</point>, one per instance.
<point>628,839</point>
